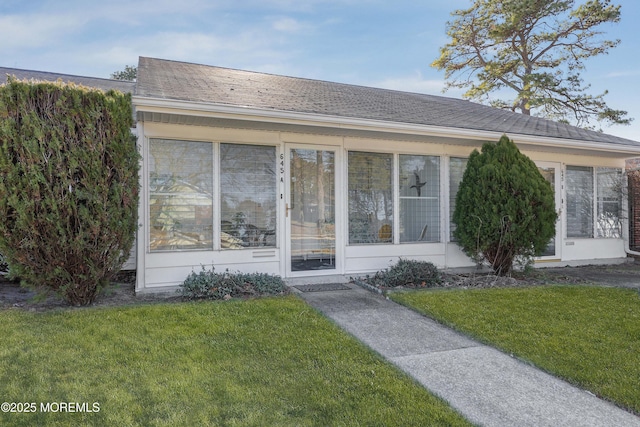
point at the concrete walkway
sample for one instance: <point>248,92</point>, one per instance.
<point>488,387</point>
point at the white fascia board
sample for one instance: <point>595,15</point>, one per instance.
<point>204,109</point>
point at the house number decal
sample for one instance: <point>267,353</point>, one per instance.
<point>281,173</point>
<point>281,167</point>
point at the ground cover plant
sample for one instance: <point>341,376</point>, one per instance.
<point>587,335</point>
<point>266,361</point>
<point>210,284</point>
<point>406,273</point>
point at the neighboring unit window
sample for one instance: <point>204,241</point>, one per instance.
<point>180,195</point>
<point>419,198</point>
<point>579,201</point>
<point>370,198</point>
<point>457,167</point>
<point>247,196</point>
<point>609,181</point>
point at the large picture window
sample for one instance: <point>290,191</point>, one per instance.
<point>579,201</point>
<point>370,190</point>
<point>247,196</point>
<point>180,195</point>
<point>419,198</point>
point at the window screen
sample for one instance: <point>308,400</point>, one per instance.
<point>419,198</point>
<point>370,198</point>
<point>180,195</point>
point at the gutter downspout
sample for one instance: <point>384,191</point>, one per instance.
<point>627,249</point>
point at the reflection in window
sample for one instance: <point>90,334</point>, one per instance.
<point>579,201</point>
<point>549,174</point>
<point>370,198</point>
<point>247,196</point>
<point>419,198</point>
<point>457,167</point>
<point>312,210</point>
<point>180,195</point>
<point>609,191</point>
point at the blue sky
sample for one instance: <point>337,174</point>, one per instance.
<point>366,42</point>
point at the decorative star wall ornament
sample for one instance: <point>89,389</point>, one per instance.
<point>418,185</point>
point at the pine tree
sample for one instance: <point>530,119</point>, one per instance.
<point>534,50</point>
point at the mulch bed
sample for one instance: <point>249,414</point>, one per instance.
<point>121,291</point>
<point>481,280</point>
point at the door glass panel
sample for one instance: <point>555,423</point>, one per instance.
<point>579,190</point>
<point>550,175</point>
<point>312,210</point>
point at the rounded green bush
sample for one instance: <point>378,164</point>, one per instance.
<point>505,208</point>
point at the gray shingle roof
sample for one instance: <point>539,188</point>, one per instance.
<point>104,84</point>
<point>174,80</point>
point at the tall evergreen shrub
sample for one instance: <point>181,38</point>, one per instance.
<point>504,207</point>
<point>68,185</point>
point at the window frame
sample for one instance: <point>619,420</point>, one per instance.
<point>387,229</point>
<point>586,229</point>
<point>216,203</point>
<point>150,194</point>
<point>394,237</point>
<point>597,202</point>
<point>615,231</point>
<point>425,232</point>
<point>235,241</point>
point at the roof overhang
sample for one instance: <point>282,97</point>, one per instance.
<point>220,115</point>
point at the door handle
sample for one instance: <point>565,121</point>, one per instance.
<point>287,208</point>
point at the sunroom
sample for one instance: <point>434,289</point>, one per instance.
<point>319,181</point>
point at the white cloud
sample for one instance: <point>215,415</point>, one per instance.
<point>249,49</point>
<point>618,74</point>
<point>288,25</point>
<point>140,12</point>
<point>412,83</point>
<point>38,30</point>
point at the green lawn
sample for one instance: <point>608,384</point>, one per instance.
<point>587,335</point>
<point>271,361</point>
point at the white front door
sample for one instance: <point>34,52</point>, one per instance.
<point>311,211</point>
<point>551,172</point>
